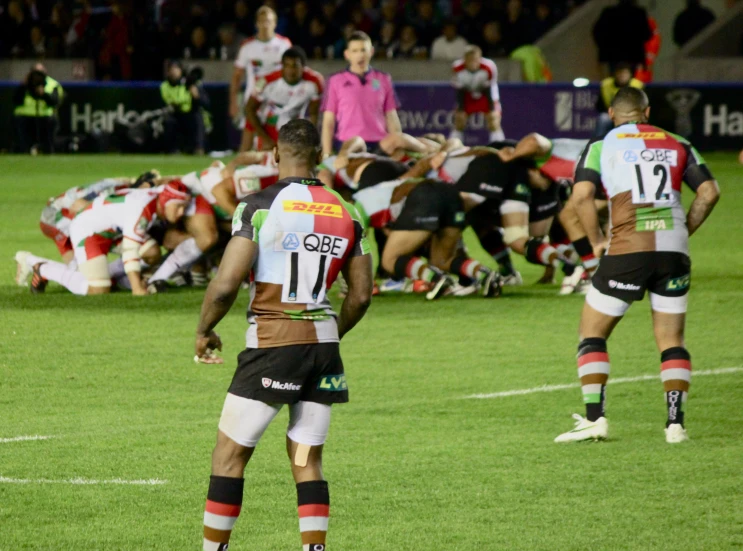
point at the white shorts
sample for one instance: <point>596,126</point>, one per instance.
<point>244,421</point>
<point>616,308</point>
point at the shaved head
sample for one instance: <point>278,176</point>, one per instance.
<point>630,104</point>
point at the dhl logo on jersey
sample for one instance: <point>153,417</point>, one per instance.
<point>318,209</point>
<point>643,136</point>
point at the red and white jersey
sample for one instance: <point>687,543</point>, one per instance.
<point>260,58</point>
<point>253,178</point>
<point>478,82</point>
<point>128,213</point>
<point>281,101</point>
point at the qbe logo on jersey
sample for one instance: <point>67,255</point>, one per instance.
<point>317,209</point>
<point>318,243</point>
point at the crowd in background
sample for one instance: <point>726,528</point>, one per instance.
<point>130,39</point>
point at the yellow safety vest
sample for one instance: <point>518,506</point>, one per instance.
<point>33,107</point>
<point>176,95</point>
<point>609,88</point>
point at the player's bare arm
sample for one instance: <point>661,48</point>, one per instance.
<point>392,121</point>
<point>224,193</point>
<point>238,74</point>
<point>251,113</point>
<point>585,208</point>
<point>530,146</point>
<point>328,129</point>
<point>422,167</point>
<point>707,196</point>
<point>313,111</point>
<point>236,264</point>
<point>358,274</point>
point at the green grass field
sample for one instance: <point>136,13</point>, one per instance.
<point>412,463</point>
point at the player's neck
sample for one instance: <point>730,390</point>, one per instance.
<point>361,71</point>
<point>295,170</point>
<point>265,37</point>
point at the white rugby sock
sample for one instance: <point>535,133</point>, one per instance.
<point>182,257</point>
<point>497,136</point>
<point>60,273</point>
<point>456,134</point>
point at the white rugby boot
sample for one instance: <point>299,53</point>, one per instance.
<point>23,271</point>
<point>569,283</point>
<point>585,430</point>
<point>676,434</point>
<point>440,287</point>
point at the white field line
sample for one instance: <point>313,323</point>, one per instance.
<point>83,481</point>
<point>24,438</point>
<point>552,388</point>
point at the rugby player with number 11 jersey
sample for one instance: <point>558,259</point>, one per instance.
<point>641,168</point>
<point>295,237</point>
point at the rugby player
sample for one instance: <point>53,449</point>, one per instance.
<point>125,216</point>
<point>476,80</point>
<point>295,237</point>
<point>416,212</point>
<point>258,56</point>
<point>284,95</point>
<point>217,191</point>
<point>61,210</point>
<point>642,168</point>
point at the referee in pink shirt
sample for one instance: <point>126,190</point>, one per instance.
<point>359,101</point>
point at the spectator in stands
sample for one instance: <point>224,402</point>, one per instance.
<point>425,21</point>
<point>543,20</point>
<point>621,78</point>
<point>388,12</point>
<point>114,58</point>
<point>37,43</point>
<point>385,46</point>
<point>16,27</point>
<point>691,22</point>
<point>298,25</point>
<point>229,44</point>
<point>516,26</point>
<point>184,127</point>
<point>409,47</point>
<point>55,30</point>
<point>471,24</point>
<point>370,10</point>
<point>621,32</point>
<point>340,45</point>
<point>449,46</point>
<point>198,48</point>
<point>318,44</point>
<point>76,40</point>
<point>360,20</point>
<point>492,44</point>
<point>243,23</point>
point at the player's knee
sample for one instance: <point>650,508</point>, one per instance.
<point>516,237</point>
<point>389,262</point>
<point>205,240</point>
<point>150,252</point>
<point>229,457</point>
<point>98,289</point>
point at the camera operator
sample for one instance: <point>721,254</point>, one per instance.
<point>185,125</point>
<point>34,117</point>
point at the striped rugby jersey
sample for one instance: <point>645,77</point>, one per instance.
<point>381,204</point>
<point>641,168</point>
<point>305,233</point>
<point>560,162</point>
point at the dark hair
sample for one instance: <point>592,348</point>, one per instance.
<point>621,66</point>
<point>301,137</point>
<point>359,36</point>
<point>630,99</point>
<point>295,52</point>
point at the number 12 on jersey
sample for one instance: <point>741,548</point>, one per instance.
<point>652,184</point>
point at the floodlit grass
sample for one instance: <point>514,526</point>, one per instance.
<point>412,464</point>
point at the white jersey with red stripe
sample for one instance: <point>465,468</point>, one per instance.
<point>202,183</point>
<point>281,101</point>
<point>476,83</point>
<point>128,213</point>
<point>253,178</point>
<point>560,162</point>
<point>259,58</point>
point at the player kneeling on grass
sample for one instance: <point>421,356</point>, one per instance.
<point>295,237</point>
<point>125,217</point>
<point>642,168</point>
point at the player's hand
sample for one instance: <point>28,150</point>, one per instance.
<point>206,347</point>
<point>600,248</point>
<point>234,108</point>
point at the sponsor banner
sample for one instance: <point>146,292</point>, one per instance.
<point>710,116</point>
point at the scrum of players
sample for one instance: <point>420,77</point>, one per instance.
<point>416,195</point>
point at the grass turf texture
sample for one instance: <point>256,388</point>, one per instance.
<point>411,464</point>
